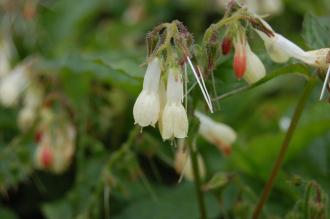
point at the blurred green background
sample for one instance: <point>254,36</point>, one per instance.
<point>93,50</point>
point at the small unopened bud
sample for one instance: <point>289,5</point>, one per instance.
<point>239,63</point>
<point>226,46</point>
<point>38,136</point>
<point>45,156</point>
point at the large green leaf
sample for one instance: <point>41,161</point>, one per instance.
<point>174,202</point>
<point>317,31</point>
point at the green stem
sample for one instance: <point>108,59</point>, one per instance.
<point>197,180</point>
<point>280,158</point>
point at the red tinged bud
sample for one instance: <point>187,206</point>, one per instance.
<point>38,136</point>
<point>46,157</point>
<point>226,46</point>
<point>239,63</point>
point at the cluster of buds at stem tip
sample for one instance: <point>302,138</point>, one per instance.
<point>219,134</point>
<point>55,140</point>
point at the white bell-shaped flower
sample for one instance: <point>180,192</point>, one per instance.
<point>174,118</point>
<point>147,106</point>
<point>12,85</point>
<point>255,69</point>
<point>216,133</point>
<point>280,49</point>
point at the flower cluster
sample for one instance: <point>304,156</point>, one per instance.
<point>163,105</point>
<point>169,55</point>
<point>56,142</point>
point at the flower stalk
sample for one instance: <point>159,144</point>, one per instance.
<point>197,180</point>
<point>287,139</point>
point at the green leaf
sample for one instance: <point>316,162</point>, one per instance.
<point>316,31</point>
<point>174,202</point>
<point>6,213</point>
<point>218,180</point>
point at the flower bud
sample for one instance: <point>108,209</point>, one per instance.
<point>183,164</point>
<point>174,118</point>
<point>226,46</point>
<point>239,63</point>
<point>12,86</point>
<point>44,157</point>
<point>146,108</point>
<point>216,133</point>
<point>26,117</point>
<point>255,69</point>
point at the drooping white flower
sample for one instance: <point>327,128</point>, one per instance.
<point>147,106</point>
<point>26,117</point>
<point>183,164</point>
<point>32,101</point>
<point>56,147</point>
<point>280,49</point>
<point>174,118</point>
<point>216,133</point>
<point>12,85</point>
<point>255,69</point>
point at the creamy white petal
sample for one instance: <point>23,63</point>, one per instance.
<point>174,118</point>
<point>146,108</point>
<point>255,69</point>
<point>175,121</point>
<point>174,90</point>
<point>152,76</point>
<point>12,86</point>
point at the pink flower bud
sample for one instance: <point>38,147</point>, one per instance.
<point>239,63</point>
<point>45,157</point>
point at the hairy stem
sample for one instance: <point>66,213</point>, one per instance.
<point>280,158</point>
<point>197,180</point>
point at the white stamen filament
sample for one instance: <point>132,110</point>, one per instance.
<point>205,93</point>
<point>325,83</point>
<point>203,83</point>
